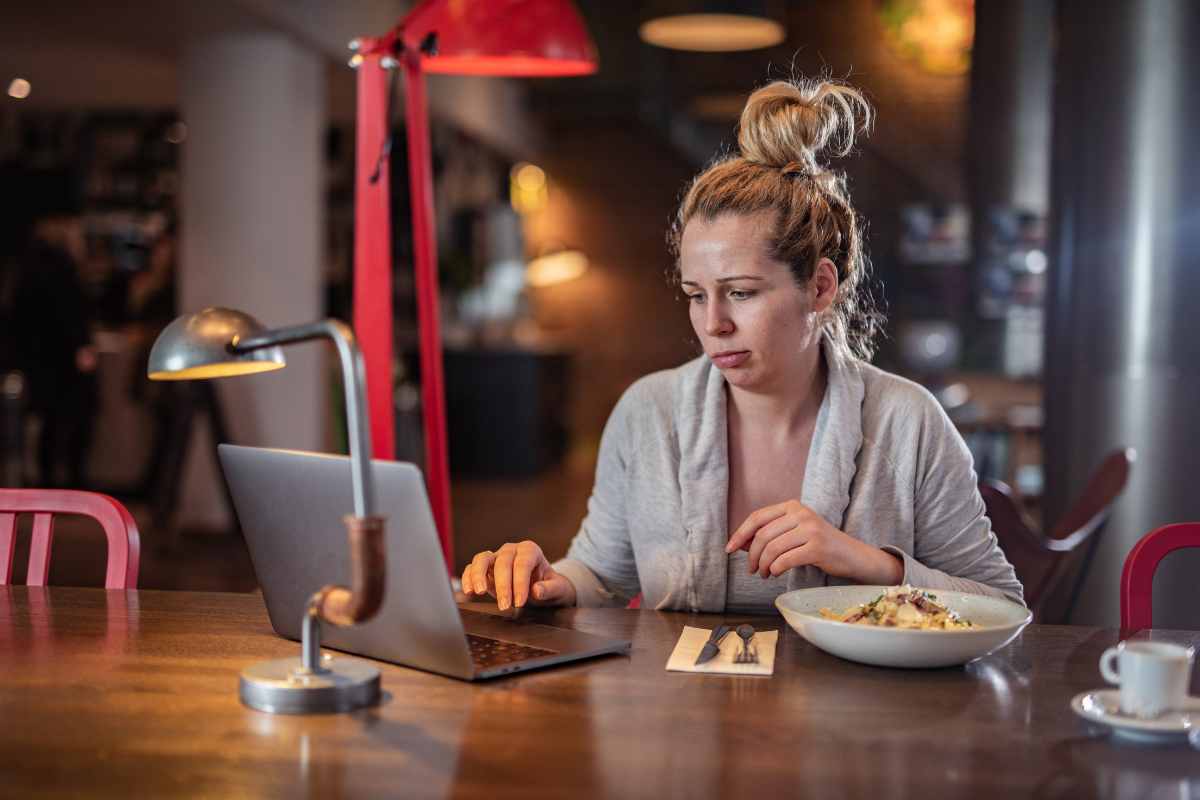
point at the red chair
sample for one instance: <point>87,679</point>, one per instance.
<point>1137,577</point>
<point>119,528</point>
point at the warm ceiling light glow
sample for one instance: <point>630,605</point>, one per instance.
<point>530,177</point>
<point>712,33</point>
<point>719,107</point>
<point>527,188</point>
<point>19,88</point>
<point>560,267</point>
<point>936,34</point>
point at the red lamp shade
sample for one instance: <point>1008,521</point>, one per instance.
<point>531,38</point>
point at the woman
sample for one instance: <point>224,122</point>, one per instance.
<point>781,440</point>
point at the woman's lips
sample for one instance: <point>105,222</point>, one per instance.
<point>730,359</point>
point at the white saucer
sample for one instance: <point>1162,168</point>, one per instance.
<point>1103,706</point>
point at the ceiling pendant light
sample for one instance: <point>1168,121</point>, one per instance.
<point>714,26</point>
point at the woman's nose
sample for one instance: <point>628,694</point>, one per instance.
<point>716,321</point>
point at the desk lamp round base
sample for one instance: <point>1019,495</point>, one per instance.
<point>284,686</point>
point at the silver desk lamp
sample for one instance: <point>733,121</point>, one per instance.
<point>219,342</point>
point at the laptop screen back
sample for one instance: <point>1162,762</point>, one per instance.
<point>290,505</point>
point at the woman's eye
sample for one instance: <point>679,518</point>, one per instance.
<point>695,298</point>
<point>740,294</point>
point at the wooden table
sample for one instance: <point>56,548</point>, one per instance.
<point>134,694</point>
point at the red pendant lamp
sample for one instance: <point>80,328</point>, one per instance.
<point>523,38</point>
<point>539,38</point>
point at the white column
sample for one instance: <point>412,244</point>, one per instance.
<point>252,222</point>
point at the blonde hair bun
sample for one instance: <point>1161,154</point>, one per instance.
<point>785,126</point>
<point>790,122</point>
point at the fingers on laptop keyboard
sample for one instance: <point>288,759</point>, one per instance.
<point>468,580</point>
<point>514,568</point>
<point>502,572</point>
<point>524,564</point>
<point>477,577</point>
<point>507,574</point>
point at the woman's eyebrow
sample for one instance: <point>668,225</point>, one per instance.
<point>730,278</point>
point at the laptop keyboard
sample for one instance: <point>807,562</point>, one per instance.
<point>487,652</point>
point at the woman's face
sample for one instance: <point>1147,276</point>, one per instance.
<point>756,324</point>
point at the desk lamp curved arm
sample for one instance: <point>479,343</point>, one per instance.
<point>221,342</point>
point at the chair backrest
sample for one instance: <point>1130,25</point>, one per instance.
<point>1042,562</point>
<point>1033,558</point>
<point>1137,576</point>
<point>120,530</point>
<point>1095,502</point>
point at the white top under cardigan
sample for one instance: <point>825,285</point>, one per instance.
<point>886,466</point>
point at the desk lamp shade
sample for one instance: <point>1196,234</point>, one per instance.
<point>523,38</point>
<point>200,346</point>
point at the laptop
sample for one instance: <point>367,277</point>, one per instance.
<point>290,505</point>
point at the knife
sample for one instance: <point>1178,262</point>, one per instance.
<point>713,645</point>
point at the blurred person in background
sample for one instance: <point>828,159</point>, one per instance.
<point>781,439</point>
<point>150,307</point>
<point>152,290</point>
<point>51,325</point>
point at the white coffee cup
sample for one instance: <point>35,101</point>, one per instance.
<point>1153,676</point>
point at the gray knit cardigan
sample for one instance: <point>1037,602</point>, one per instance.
<point>886,466</point>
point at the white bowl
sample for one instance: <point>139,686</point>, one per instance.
<point>995,623</point>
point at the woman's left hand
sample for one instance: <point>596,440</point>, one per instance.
<point>790,534</point>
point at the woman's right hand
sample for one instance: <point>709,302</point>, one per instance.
<point>515,574</point>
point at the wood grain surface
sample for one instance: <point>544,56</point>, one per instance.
<point>134,694</point>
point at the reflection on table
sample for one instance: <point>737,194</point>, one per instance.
<point>120,694</point>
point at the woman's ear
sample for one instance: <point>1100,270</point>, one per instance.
<point>825,285</point>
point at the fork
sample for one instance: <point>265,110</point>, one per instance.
<point>746,655</point>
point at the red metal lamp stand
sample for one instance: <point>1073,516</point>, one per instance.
<point>433,396</point>
<point>466,37</point>
<point>373,253</point>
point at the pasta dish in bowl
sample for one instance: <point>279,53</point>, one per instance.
<point>902,607</point>
<point>902,626</point>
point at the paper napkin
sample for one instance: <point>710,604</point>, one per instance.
<point>691,642</point>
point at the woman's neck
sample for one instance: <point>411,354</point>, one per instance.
<point>788,409</point>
